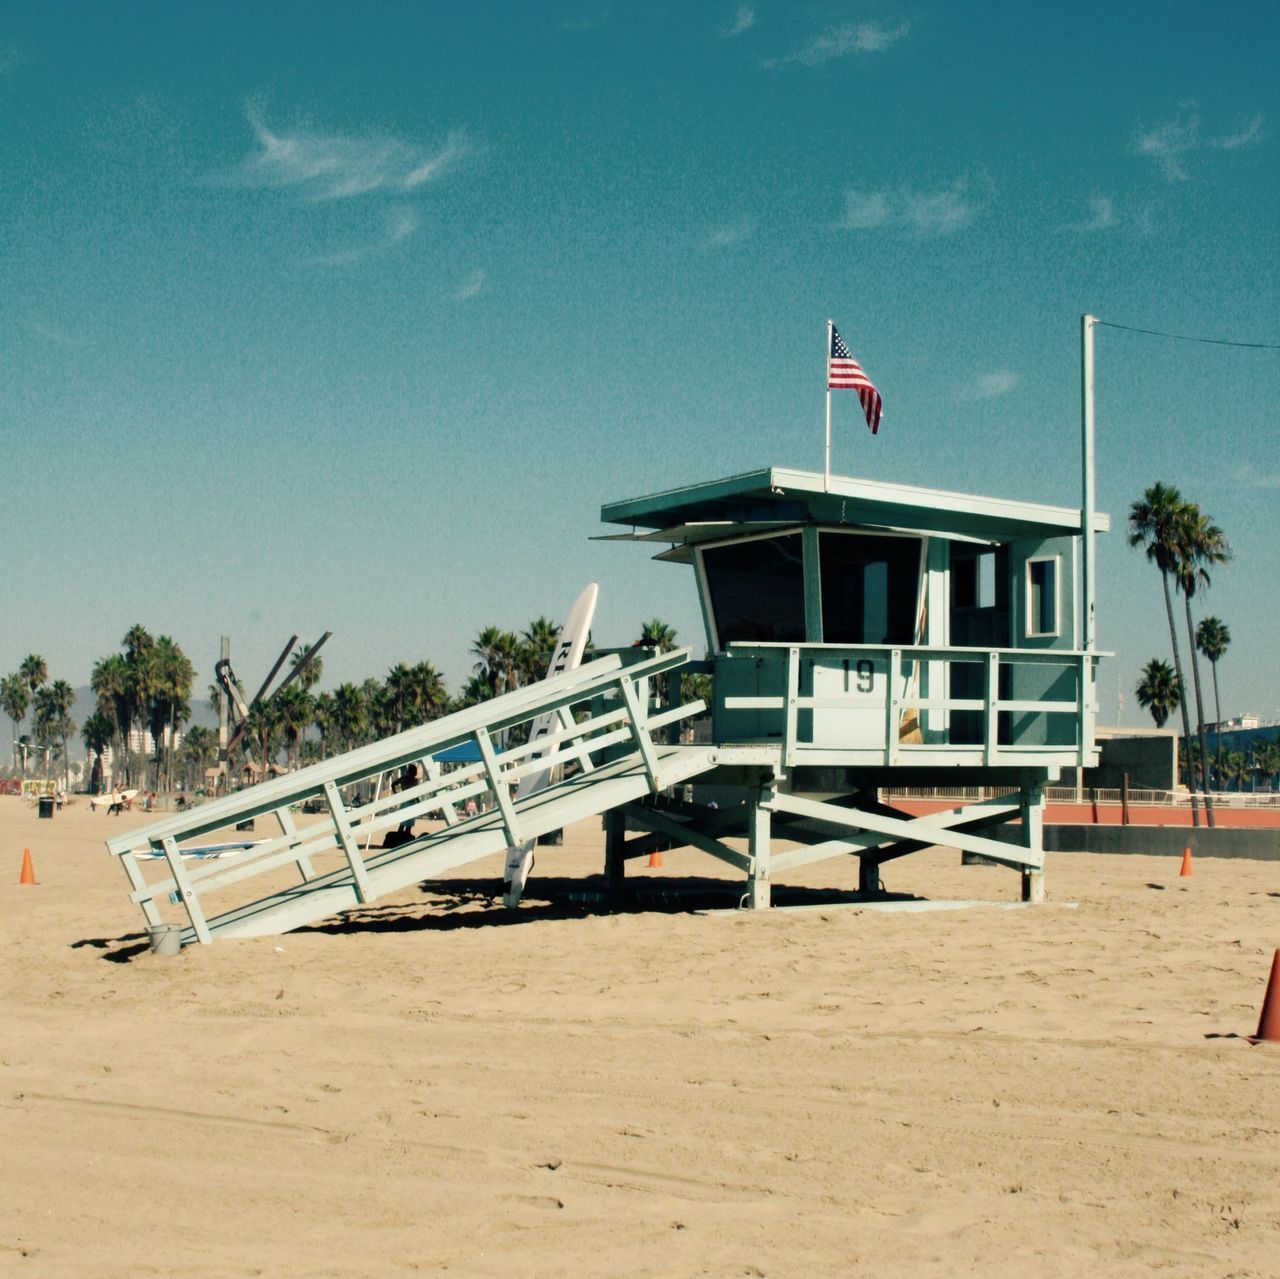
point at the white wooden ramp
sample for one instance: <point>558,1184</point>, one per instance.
<point>609,743</point>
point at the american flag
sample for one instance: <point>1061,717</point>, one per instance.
<point>845,373</point>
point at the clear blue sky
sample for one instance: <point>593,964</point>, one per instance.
<point>341,317</point>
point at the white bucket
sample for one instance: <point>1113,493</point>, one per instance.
<point>166,939</point>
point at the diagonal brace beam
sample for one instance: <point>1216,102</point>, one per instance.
<point>928,828</point>
<point>653,820</point>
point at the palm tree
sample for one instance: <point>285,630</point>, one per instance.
<point>172,677</point>
<point>198,750</point>
<point>312,668</point>
<point>322,714</point>
<point>377,711</point>
<point>501,659</point>
<point>14,700</point>
<point>429,695</point>
<point>655,633</point>
<point>294,706</point>
<point>1235,766</point>
<point>1213,639</point>
<point>474,691</point>
<point>349,714</point>
<point>110,681</point>
<point>139,679</point>
<point>398,696</point>
<point>1154,524</point>
<point>1266,755</point>
<point>265,727</point>
<point>1201,545</point>
<point>98,733</point>
<point>53,720</point>
<point>1160,690</point>
<point>34,671</point>
<point>539,647</point>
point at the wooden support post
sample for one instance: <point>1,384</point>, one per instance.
<point>791,712</point>
<point>1124,799</point>
<point>338,811</point>
<point>289,827</point>
<point>615,857</point>
<point>1033,838</point>
<point>892,706</point>
<point>760,876</point>
<point>868,877</point>
<point>637,721</point>
<point>991,717</point>
<point>138,882</point>
<point>186,891</point>
<point>1033,886</point>
<point>433,772</point>
<point>498,786</point>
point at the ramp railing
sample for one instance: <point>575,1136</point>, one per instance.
<point>613,721</point>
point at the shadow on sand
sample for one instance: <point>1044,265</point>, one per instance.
<point>477,903</point>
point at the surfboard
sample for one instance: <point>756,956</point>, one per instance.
<point>112,797</point>
<point>565,657</point>
<point>210,852</point>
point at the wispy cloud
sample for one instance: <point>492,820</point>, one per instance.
<point>401,223</point>
<point>731,233</point>
<point>50,332</point>
<point>942,211</point>
<point>1249,132</point>
<point>1249,478</point>
<point>332,166</point>
<point>472,286</point>
<point>1171,143</point>
<point>1102,215</point>
<point>989,386</point>
<point>864,209</point>
<point>843,40</point>
<point>743,20</point>
<point>587,21</point>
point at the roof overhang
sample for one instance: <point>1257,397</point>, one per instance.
<point>778,497</point>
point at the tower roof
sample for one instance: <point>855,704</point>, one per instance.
<point>780,497</point>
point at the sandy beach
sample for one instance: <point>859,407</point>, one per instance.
<point>435,1084</point>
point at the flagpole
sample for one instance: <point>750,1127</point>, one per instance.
<point>826,377</point>
<point>1087,481</point>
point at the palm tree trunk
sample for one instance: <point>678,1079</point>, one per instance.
<point>1204,746</point>
<point>1182,700</point>
<point>1217,710</point>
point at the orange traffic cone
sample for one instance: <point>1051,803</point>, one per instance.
<point>1185,872</point>
<point>1269,1021</point>
<point>28,875</point>
<point>655,859</point>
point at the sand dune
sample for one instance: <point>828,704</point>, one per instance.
<point>434,1084</point>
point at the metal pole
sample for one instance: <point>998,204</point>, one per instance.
<point>224,776</point>
<point>1087,571</point>
<point>826,377</point>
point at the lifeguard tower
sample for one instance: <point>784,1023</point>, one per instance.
<point>860,636</point>
<point>865,636</point>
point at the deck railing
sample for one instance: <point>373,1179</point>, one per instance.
<point>865,703</point>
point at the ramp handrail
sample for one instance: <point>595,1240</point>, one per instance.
<point>622,718</point>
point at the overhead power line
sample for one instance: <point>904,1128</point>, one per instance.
<point>1184,337</point>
